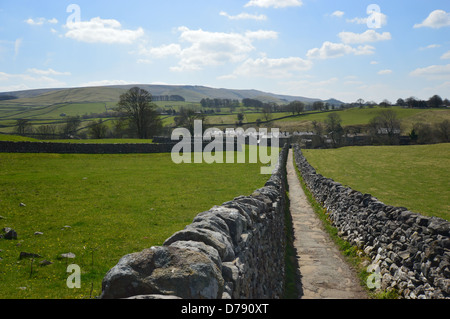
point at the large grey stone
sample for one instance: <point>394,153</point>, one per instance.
<point>164,270</point>
<point>212,238</point>
<point>209,251</point>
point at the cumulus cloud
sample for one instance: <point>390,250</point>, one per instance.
<point>385,72</point>
<point>375,15</point>
<point>17,45</point>
<point>436,19</point>
<point>431,46</point>
<point>274,3</point>
<point>99,30</point>
<point>446,55</point>
<point>334,50</point>
<point>338,14</point>
<point>105,83</point>
<point>199,48</point>
<point>433,72</point>
<point>41,21</point>
<point>261,35</point>
<point>24,81</point>
<point>365,37</point>
<point>47,72</point>
<point>271,68</point>
<point>244,16</point>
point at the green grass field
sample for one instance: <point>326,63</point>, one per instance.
<point>114,205</point>
<point>356,116</point>
<point>416,177</point>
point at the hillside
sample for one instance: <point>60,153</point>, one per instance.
<point>112,93</point>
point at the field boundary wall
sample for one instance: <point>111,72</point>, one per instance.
<point>232,251</point>
<point>409,252</point>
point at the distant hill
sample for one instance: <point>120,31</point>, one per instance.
<point>191,93</point>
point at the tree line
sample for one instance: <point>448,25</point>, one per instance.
<point>137,116</point>
<point>383,129</point>
<point>435,101</point>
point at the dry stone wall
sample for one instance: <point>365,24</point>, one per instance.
<point>95,148</point>
<point>410,252</point>
<point>232,251</point>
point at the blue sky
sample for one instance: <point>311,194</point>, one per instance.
<point>314,48</point>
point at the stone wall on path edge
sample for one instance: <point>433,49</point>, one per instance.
<point>232,251</point>
<point>410,252</point>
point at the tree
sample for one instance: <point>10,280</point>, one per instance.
<point>318,106</point>
<point>267,112</point>
<point>334,128</point>
<point>385,127</point>
<point>23,127</point>
<point>360,102</point>
<point>46,131</point>
<point>252,103</point>
<point>385,103</point>
<point>186,118</point>
<point>443,131</point>
<point>425,134</point>
<point>136,105</point>
<point>435,101</point>
<point>240,117</point>
<point>72,125</point>
<point>98,130</point>
<point>401,102</point>
<point>296,107</point>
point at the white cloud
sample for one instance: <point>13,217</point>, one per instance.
<point>446,55</point>
<point>211,48</point>
<point>431,46</point>
<point>385,72</point>
<point>274,3</point>
<point>365,37</point>
<point>244,16</point>
<point>375,15</point>
<point>41,21</point>
<point>162,51</point>
<point>436,19</point>
<point>47,72</point>
<point>198,48</point>
<point>105,83</point>
<point>338,13</point>
<point>334,50</point>
<point>271,68</point>
<point>12,82</point>
<point>261,35</point>
<point>433,72</point>
<point>99,30</point>
<point>17,45</point>
<point>373,62</point>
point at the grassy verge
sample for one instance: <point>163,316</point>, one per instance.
<point>291,273</point>
<point>354,256</point>
<point>114,205</point>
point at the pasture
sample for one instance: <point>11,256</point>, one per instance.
<point>416,176</point>
<point>99,207</point>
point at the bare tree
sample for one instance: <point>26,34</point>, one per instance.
<point>23,126</point>
<point>136,105</point>
<point>385,127</point>
<point>98,130</point>
<point>186,118</point>
<point>443,131</point>
<point>334,128</point>
<point>267,112</point>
